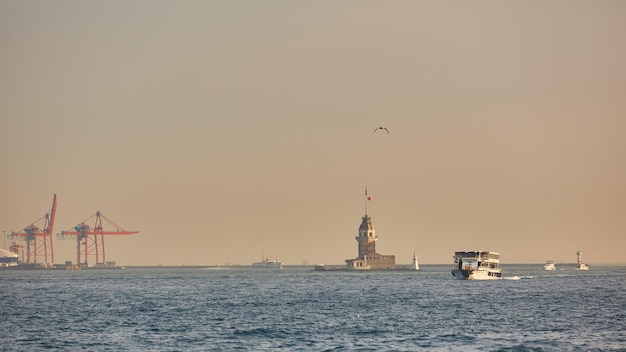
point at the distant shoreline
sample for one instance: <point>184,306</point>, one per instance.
<point>401,266</point>
<point>327,267</point>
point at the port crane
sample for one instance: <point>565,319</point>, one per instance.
<point>90,239</point>
<point>19,250</point>
<point>38,240</point>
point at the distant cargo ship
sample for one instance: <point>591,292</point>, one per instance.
<point>269,263</point>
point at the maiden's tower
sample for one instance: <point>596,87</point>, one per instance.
<point>368,259</point>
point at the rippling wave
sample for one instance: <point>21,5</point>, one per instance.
<point>297,309</point>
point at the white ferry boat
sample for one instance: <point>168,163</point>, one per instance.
<point>8,259</point>
<point>269,263</point>
<point>476,265</point>
<point>549,265</point>
<point>579,263</point>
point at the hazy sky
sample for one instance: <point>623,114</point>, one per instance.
<point>221,129</point>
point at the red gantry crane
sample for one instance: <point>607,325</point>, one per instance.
<point>90,239</point>
<point>38,240</point>
<point>19,250</point>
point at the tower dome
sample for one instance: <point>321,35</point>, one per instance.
<point>366,229</point>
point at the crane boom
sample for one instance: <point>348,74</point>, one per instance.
<point>38,241</point>
<point>90,239</point>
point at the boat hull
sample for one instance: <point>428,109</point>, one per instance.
<point>477,274</point>
<point>268,265</point>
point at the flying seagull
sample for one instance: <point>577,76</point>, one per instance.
<point>381,128</point>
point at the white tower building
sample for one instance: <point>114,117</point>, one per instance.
<point>415,265</point>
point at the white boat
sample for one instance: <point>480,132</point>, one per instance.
<point>8,259</point>
<point>319,267</point>
<point>549,265</point>
<point>579,263</point>
<point>476,265</point>
<point>269,263</point>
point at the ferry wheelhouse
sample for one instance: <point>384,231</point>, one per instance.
<point>476,265</point>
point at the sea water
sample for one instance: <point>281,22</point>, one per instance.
<point>298,309</point>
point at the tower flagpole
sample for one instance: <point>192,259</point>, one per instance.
<point>366,202</point>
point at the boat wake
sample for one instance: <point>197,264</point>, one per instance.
<point>518,277</point>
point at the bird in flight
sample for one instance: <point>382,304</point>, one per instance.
<point>381,128</point>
